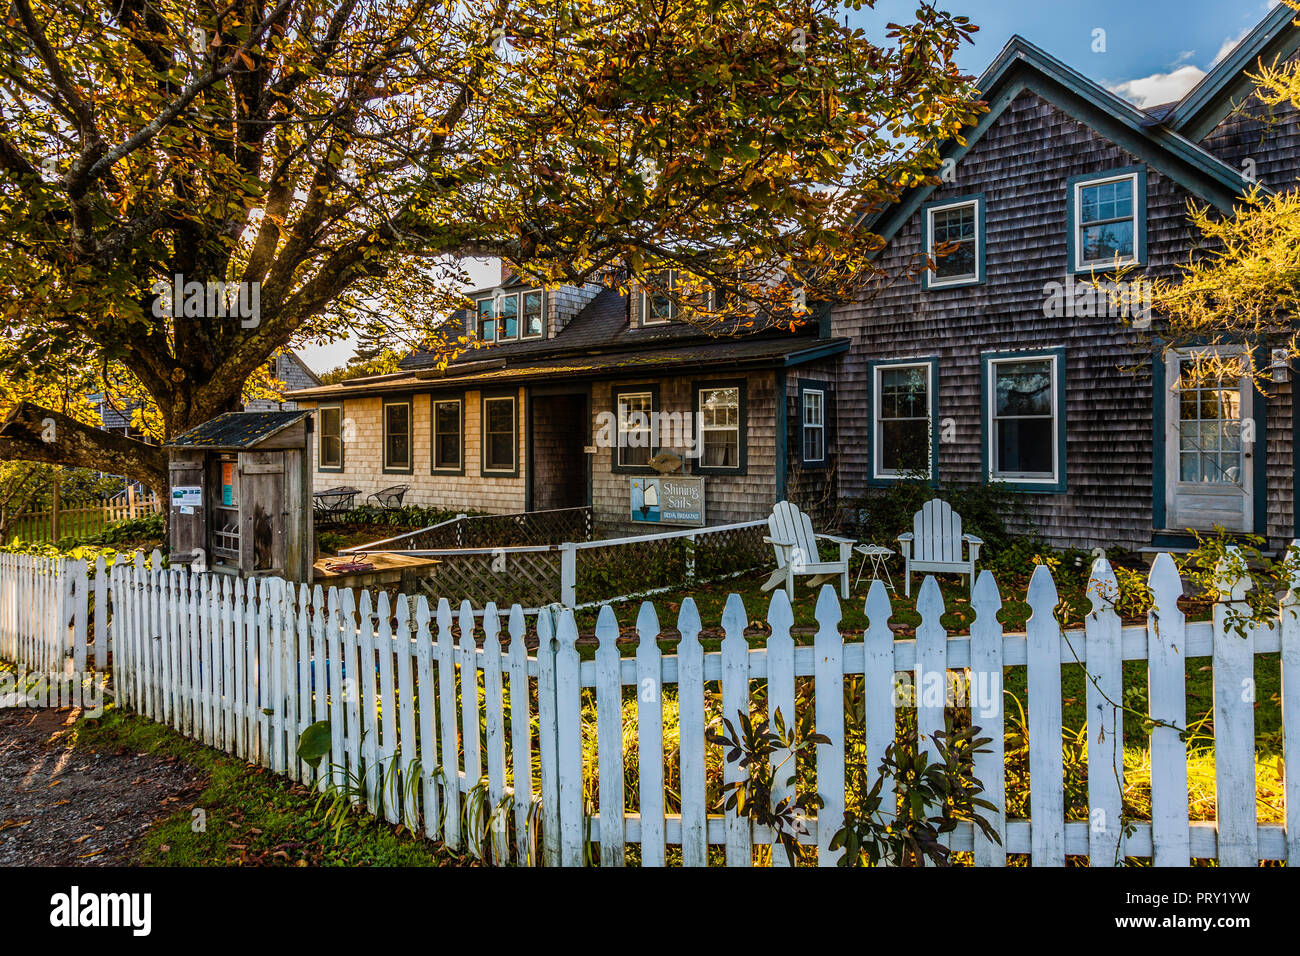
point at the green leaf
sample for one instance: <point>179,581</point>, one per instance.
<point>314,743</point>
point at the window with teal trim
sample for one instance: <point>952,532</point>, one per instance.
<point>903,419</point>
<point>1024,419</point>
<point>1107,220</point>
<point>954,242</point>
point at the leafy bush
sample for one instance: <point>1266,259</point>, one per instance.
<point>984,510</point>
<point>410,517</point>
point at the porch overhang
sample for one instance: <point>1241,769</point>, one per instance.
<point>714,357</point>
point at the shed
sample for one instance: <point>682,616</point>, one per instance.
<point>241,491</point>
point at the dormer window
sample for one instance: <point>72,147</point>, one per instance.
<point>487,323</point>
<point>656,307</point>
<point>533,319</point>
<point>505,317</point>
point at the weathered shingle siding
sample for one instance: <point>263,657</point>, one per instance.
<point>815,488</point>
<point>727,498</point>
<point>1267,136</point>
<point>1021,166</point>
<point>363,458</point>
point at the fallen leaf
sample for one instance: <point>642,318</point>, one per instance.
<point>87,856</point>
<point>82,839</point>
<point>10,824</point>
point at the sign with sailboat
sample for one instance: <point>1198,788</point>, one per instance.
<point>668,500</point>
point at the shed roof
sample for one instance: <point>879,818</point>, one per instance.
<point>236,431</point>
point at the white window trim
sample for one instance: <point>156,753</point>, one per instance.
<point>523,333</point>
<point>619,431</point>
<point>672,306</point>
<point>933,281</point>
<point>478,320</point>
<point>989,420</point>
<point>805,426</point>
<point>1077,223</point>
<point>514,443</point>
<point>878,432</point>
<point>705,428</point>
<point>410,435</point>
<point>460,434</point>
<point>320,438</point>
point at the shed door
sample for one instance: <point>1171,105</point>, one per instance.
<point>1209,446</point>
<point>187,523</point>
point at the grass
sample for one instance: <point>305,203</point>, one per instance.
<point>250,815</point>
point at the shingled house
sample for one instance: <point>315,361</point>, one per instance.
<point>1003,364</point>
<point>573,393</point>
<point>1000,365</point>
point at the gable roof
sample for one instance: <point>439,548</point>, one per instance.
<point>236,430</point>
<point>1022,66</point>
<point>1206,104</point>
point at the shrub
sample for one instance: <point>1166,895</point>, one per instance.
<point>984,510</point>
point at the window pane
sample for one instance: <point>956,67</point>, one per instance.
<point>720,414</point>
<point>487,327</point>
<point>721,449</point>
<point>813,443</point>
<point>446,426</point>
<point>1109,242</point>
<point>634,417</point>
<point>499,434</point>
<point>905,446</point>
<point>508,321</point>
<point>397,436</point>
<point>501,451</point>
<point>1024,446</point>
<point>904,392</point>
<point>956,225</point>
<point>1024,388</point>
<point>331,442</point>
<point>812,408</point>
<point>532,313</point>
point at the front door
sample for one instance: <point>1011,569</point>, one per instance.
<point>559,434</point>
<point>1209,447</point>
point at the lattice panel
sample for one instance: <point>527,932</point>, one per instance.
<point>531,578</point>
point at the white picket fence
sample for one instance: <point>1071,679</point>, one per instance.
<point>45,627</point>
<point>489,743</point>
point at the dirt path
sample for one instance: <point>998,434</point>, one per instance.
<point>65,807</point>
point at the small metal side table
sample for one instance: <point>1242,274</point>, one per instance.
<point>879,557</point>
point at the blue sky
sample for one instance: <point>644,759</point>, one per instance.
<point>1155,50</point>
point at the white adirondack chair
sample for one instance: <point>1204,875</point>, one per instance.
<point>795,545</point>
<point>935,544</point>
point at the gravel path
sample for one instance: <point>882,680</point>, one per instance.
<point>65,807</point>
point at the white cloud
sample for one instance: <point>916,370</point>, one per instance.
<point>1147,91</point>
<point>1159,88</point>
<point>1229,44</point>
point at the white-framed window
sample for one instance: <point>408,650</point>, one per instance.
<point>500,434</point>
<point>331,437</point>
<point>656,307</point>
<point>635,415</point>
<point>1024,418</point>
<point>1106,221</point>
<point>720,432</point>
<point>532,319</point>
<point>954,228</point>
<point>903,403</point>
<point>814,425</point>
<point>447,418</point>
<point>397,436</point>
<point>487,322</point>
